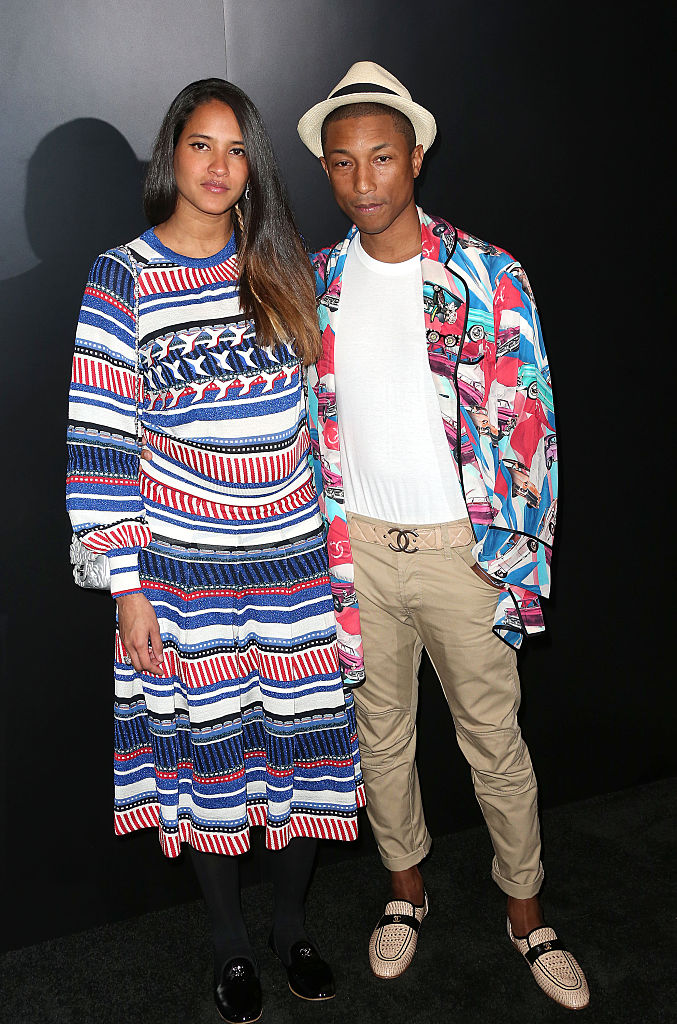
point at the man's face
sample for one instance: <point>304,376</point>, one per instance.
<point>371,170</point>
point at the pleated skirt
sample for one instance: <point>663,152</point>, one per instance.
<point>249,725</point>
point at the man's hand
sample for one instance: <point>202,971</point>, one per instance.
<point>140,633</point>
<point>484,576</point>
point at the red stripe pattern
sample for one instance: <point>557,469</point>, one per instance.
<point>234,843</point>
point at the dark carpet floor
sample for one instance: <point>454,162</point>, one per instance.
<point>610,892</point>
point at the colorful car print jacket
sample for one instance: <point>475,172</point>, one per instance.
<point>492,379</point>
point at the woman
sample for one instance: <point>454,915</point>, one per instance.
<point>229,706</point>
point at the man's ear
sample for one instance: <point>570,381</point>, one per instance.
<point>417,159</point>
<point>324,166</point>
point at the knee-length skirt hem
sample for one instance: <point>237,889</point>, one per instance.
<point>300,824</point>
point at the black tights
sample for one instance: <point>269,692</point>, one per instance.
<point>219,878</point>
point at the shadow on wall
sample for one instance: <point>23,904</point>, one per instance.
<point>83,192</point>
<point>83,196</point>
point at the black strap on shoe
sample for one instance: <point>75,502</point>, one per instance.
<point>406,919</point>
<point>532,955</point>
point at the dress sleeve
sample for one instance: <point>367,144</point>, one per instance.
<point>102,486</point>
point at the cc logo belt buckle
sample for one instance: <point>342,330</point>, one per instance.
<point>402,541</point>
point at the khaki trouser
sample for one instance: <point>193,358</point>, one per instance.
<point>433,599</point>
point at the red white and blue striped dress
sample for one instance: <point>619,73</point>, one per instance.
<point>221,531</point>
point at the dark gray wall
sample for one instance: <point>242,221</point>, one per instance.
<point>84,88</point>
<point>543,148</point>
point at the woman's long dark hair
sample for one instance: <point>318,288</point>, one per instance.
<point>277,288</point>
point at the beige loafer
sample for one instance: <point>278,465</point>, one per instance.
<point>556,971</point>
<point>393,941</point>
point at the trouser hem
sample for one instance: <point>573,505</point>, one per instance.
<point>520,890</point>
<point>408,860</point>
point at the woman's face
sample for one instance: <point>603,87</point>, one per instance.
<point>210,164</point>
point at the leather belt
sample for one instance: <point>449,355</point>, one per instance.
<point>408,540</point>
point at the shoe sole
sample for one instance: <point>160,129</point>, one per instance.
<point>390,977</point>
<point>307,999</point>
<point>229,1021</point>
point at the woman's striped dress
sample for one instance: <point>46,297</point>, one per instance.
<point>221,531</point>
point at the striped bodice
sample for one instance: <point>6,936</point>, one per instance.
<point>223,418</point>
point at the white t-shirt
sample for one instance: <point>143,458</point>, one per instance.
<point>395,457</point>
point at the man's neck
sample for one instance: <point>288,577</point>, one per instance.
<point>400,242</point>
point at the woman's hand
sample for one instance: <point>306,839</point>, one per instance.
<point>140,633</point>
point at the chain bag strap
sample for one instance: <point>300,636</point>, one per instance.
<point>91,569</point>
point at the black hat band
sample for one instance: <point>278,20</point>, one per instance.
<point>363,87</point>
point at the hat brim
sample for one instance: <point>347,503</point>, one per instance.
<point>310,125</point>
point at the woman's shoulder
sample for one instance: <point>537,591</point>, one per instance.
<point>138,250</point>
<point>119,253</point>
<point>112,271</point>
<point>119,263</point>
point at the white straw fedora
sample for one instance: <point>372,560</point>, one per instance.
<point>367,82</point>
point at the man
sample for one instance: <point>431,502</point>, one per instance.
<point>429,413</point>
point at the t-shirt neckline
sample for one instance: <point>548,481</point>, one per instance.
<point>379,267</point>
